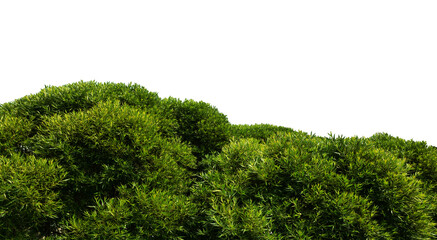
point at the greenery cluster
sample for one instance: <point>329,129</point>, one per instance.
<point>95,160</point>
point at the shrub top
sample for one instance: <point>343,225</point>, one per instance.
<point>92,160</point>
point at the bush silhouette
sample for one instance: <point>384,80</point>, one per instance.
<point>92,160</point>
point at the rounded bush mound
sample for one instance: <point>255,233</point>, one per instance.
<point>199,123</point>
<point>78,96</point>
<point>405,209</point>
<point>110,145</point>
<point>92,160</point>
<point>298,186</point>
<point>419,155</point>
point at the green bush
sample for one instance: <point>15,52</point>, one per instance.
<point>199,124</point>
<point>257,131</point>
<point>140,213</point>
<point>160,214</point>
<point>110,145</point>
<point>14,131</point>
<point>92,160</point>
<point>29,197</point>
<point>419,155</point>
<point>78,96</point>
<point>300,186</point>
<point>109,220</point>
<point>404,208</point>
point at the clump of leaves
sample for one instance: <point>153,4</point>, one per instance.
<point>14,131</point>
<point>110,145</point>
<point>139,213</point>
<point>92,160</point>
<point>199,124</point>
<point>257,131</point>
<point>300,186</point>
<point>29,196</point>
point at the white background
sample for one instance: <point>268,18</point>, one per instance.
<point>347,67</point>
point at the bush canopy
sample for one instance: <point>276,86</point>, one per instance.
<point>93,160</point>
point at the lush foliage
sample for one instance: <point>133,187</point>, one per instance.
<point>29,195</point>
<point>300,186</point>
<point>112,161</point>
<point>257,131</point>
<point>203,126</point>
<point>110,145</point>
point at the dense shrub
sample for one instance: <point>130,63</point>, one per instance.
<point>419,155</point>
<point>139,213</point>
<point>78,96</point>
<point>14,131</point>
<point>257,131</point>
<point>110,145</point>
<point>92,160</point>
<point>300,186</point>
<point>29,198</point>
<point>109,220</point>
<point>404,208</point>
<point>199,123</point>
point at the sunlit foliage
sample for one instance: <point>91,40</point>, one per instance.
<point>95,160</point>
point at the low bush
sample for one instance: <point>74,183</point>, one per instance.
<point>78,96</point>
<point>199,124</point>
<point>110,145</point>
<point>300,186</point>
<point>257,131</point>
<point>92,160</point>
<point>419,155</point>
